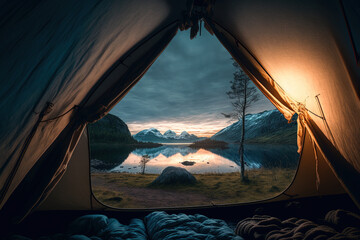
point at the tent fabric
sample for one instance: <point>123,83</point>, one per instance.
<point>43,176</point>
<point>274,54</point>
<point>343,170</point>
<point>351,12</point>
<point>82,58</point>
<point>66,64</point>
<point>59,161</point>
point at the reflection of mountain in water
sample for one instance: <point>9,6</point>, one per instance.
<point>256,156</point>
<point>105,156</point>
<point>259,155</point>
<point>167,151</point>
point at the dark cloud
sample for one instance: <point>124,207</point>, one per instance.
<point>187,82</point>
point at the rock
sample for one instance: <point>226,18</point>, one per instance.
<point>188,163</point>
<point>174,175</point>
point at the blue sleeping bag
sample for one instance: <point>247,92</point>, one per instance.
<point>156,226</point>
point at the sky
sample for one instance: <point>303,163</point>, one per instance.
<point>185,89</point>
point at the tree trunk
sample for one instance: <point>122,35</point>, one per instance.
<point>241,149</point>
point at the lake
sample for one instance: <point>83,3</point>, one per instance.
<point>200,160</point>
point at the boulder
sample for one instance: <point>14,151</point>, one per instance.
<point>174,175</point>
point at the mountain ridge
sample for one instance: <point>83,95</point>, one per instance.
<point>154,135</point>
<point>265,127</point>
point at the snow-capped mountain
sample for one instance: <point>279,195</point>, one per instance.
<point>154,135</point>
<point>265,127</point>
<point>151,132</point>
<point>169,134</point>
<point>184,134</point>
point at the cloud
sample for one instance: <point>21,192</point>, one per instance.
<point>204,125</point>
<point>186,86</point>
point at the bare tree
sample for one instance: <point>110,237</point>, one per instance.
<point>144,160</point>
<point>242,95</point>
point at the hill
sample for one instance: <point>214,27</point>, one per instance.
<point>209,143</point>
<point>110,129</point>
<point>265,127</point>
<point>111,142</point>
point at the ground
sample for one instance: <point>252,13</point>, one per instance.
<point>125,190</point>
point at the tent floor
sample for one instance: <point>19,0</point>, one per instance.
<point>44,223</point>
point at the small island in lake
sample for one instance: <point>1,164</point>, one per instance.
<point>188,163</point>
<point>209,143</point>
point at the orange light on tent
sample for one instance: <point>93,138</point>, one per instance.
<point>294,82</point>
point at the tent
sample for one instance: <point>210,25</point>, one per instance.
<point>65,64</point>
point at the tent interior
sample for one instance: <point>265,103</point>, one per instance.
<point>66,64</point>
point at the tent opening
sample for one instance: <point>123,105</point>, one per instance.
<point>174,140</point>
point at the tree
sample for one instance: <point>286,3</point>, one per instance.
<point>243,94</point>
<point>144,160</point>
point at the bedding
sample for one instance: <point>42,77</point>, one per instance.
<point>337,224</point>
<point>162,226</point>
<point>155,226</point>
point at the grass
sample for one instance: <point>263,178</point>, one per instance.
<point>125,190</point>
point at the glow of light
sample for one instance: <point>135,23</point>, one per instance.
<point>200,129</point>
<point>294,83</point>
<point>205,162</point>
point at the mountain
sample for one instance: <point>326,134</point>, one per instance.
<point>184,134</point>
<point>111,142</point>
<point>153,135</point>
<point>110,129</point>
<point>169,134</point>
<point>149,135</point>
<point>265,127</point>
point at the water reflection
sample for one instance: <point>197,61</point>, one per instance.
<point>201,160</point>
<point>204,161</point>
<point>166,150</point>
<point>262,155</point>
